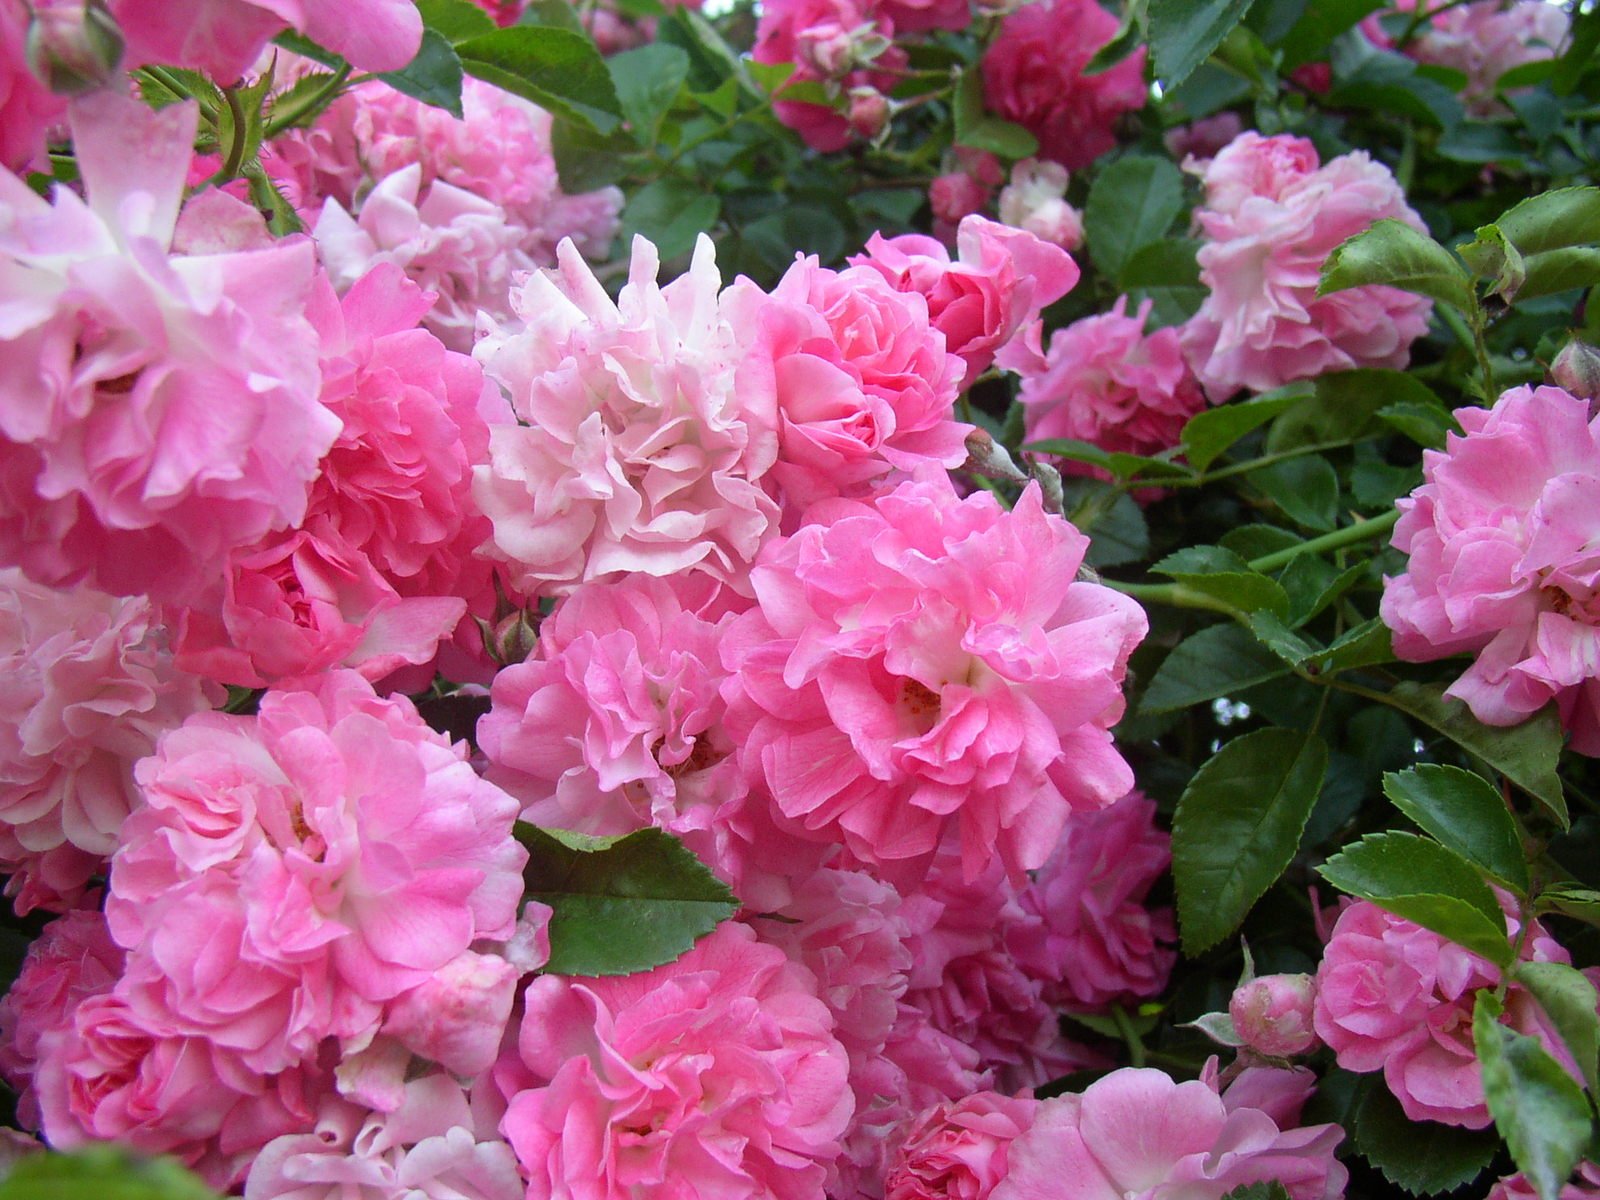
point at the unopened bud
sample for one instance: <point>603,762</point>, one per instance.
<point>1577,370</point>
<point>511,639</point>
<point>74,46</point>
<point>869,112</point>
<point>827,48</point>
<point>1272,1014</point>
<point>988,458</point>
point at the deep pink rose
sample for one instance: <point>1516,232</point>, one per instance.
<point>1503,563</point>
<point>957,1150</point>
<point>1034,75</point>
<point>1271,218</point>
<point>847,42</point>
<point>714,1074</point>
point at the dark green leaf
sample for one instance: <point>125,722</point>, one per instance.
<point>557,13</point>
<point>1420,880</point>
<point>1183,33</point>
<point>1166,274</point>
<point>1220,660</point>
<point>1211,432</point>
<point>1537,1107</point>
<point>1272,633</point>
<point>586,160</point>
<point>1479,142</point>
<point>1344,407</point>
<point>1526,754</point>
<point>433,76</point>
<point>1314,583</point>
<point>455,20</point>
<point>101,1173</point>
<point>1118,534</point>
<point>1425,424</point>
<point>1322,21</point>
<point>1223,575</point>
<point>555,68</point>
<point>1005,138</point>
<point>1305,488</point>
<point>1423,1157</point>
<point>1571,900</point>
<point>1568,999</point>
<point>1579,54</point>
<point>1366,645</point>
<point>1395,255</point>
<point>1132,204</point>
<point>1465,812</point>
<point>620,905</point>
<point>671,212</point>
<point>1237,827</point>
<point>1267,1189</point>
<point>647,81</point>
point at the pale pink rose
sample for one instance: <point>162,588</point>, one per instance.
<point>968,977</point>
<point>498,151</point>
<point>454,244</point>
<point>1395,997</point>
<point>434,1146</point>
<point>109,1075</point>
<point>858,376</point>
<point>156,411</point>
<point>636,452</point>
<point>1273,1014</point>
<point>957,1150</point>
<point>716,1074</point>
<point>987,301</point>
<point>848,42</point>
<point>1586,1186</point>
<point>1270,220</point>
<point>1034,75</point>
<point>1107,382</point>
<point>359,841</point>
<point>1483,41</point>
<point>223,38</point>
<point>28,109</point>
<point>73,959</point>
<point>1137,1133</point>
<point>1036,200</point>
<point>87,685</point>
<point>927,663</point>
<point>615,723</point>
<point>458,1017</point>
<point>1096,941</point>
<point>1203,138</point>
<point>1502,562</point>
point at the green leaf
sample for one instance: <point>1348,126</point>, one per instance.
<point>1526,754</point>
<point>671,212</point>
<point>1579,55</point>
<point>1272,633</point>
<point>1537,1107</point>
<point>1305,488</point>
<point>1266,1189</point>
<point>455,20</point>
<point>1366,645</point>
<point>620,905</point>
<point>1492,256</point>
<point>586,160</point>
<point>1322,21</point>
<point>1183,33</point>
<point>1465,812</point>
<point>1132,204</point>
<point>1118,534</point>
<point>1211,432</point>
<point>1395,255</point>
<point>1568,999</point>
<point>433,76</point>
<point>1479,142</point>
<point>1420,880</point>
<point>1425,424</point>
<point>557,69</point>
<point>1237,827</point>
<point>556,13</point>
<point>1166,274</point>
<point>1223,575</point>
<point>103,1173</point>
<point>1005,138</point>
<point>1423,1157</point>
<point>1314,583</point>
<point>647,80</point>
<point>1344,407</point>
<point>1220,660</point>
<point>1571,900</point>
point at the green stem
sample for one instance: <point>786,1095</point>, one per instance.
<point>1265,460</point>
<point>235,159</point>
<point>1350,535</point>
<point>1130,1039</point>
<point>1173,595</point>
<point>291,115</point>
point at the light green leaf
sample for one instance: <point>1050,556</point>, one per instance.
<point>101,1173</point>
<point>1132,203</point>
<point>1395,255</point>
<point>647,80</point>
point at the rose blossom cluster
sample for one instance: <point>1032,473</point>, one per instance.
<point>1483,40</point>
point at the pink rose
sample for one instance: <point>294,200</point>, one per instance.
<point>1502,563</point>
<point>849,42</point>
<point>987,301</point>
<point>1483,41</point>
<point>1034,76</point>
<point>1273,1014</point>
<point>957,1150</point>
<point>1035,200</point>
<point>1271,218</point>
<point>1516,1187</point>
<point>716,1072</point>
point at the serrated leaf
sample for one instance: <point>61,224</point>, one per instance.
<point>1221,574</point>
<point>1305,488</point>
<point>1313,583</point>
<point>1168,275</point>
<point>455,20</point>
<point>623,904</point>
<point>671,212</point>
<point>1526,754</point>
<point>1365,645</point>
<point>434,76</point>
<point>1538,1108</point>
<point>1393,254</point>
<point>1132,203</point>
<point>1238,825</point>
<point>1568,1000</point>
<point>1493,257</point>
<point>1465,812</point>
<point>1423,1157</point>
<point>557,69</point>
<point>1209,433</point>
<point>1425,424</point>
<point>1418,879</point>
<point>1571,900</point>
<point>1272,633</point>
<point>1183,33</point>
<point>1344,407</point>
<point>1322,21</point>
<point>1220,660</point>
<point>648,79</point>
